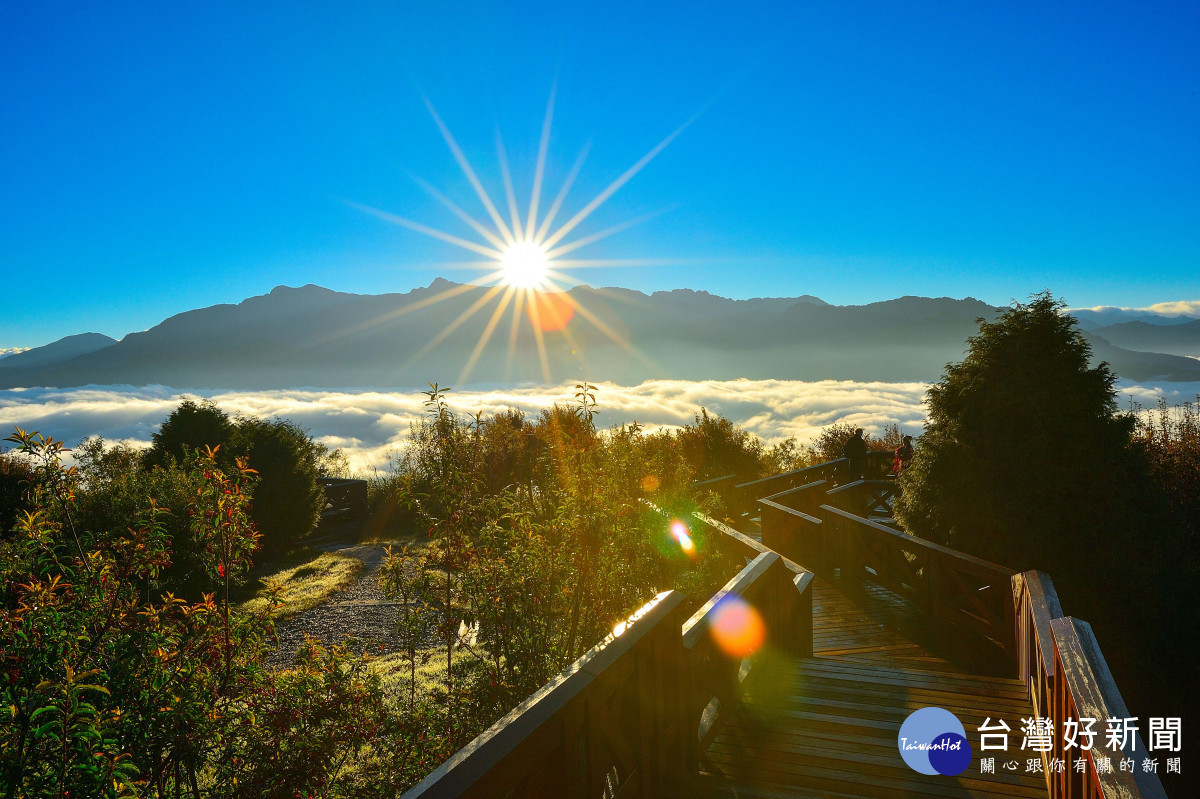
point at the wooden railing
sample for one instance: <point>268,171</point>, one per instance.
<point>793,616</point>
<point>610,724</point>
<point>870,499</point>
<point>633,716</point>
<point>743,498</point>
<point>949,586</point>
<point>746,495</point>
<point>716,675</point>
<point>1068,678</point>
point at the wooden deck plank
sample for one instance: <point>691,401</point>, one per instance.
<point>827,725</point>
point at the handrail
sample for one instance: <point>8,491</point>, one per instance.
<point>784,476</point>
<point>1084,688</point>
<point>913,541</point>
<point>950,586</point>
<point>716,675</point>
<point>702,483</point>
<point>744,496</point>
<point>750,548</point>
<point>559,741</point>
<point>635,713</point>
<point>801,619</point>
<point>1068,678</point>
<point>1036,604</point>
<point>866,498</point>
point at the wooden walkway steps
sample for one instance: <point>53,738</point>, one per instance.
<point>827,725</point>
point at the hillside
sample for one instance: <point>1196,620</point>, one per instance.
<point>312,336</point>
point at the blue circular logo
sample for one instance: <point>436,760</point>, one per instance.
<point>933,741</point>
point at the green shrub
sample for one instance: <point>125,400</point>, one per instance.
<point>192,426</point>
<point>286,501</point>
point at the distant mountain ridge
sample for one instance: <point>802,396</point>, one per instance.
<point>59,351</point>
<point>316,337</point>
<point>1176,339</point>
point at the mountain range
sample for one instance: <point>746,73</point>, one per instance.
<point>315,337</point>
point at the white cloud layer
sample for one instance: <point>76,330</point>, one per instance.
<point>370,425</point>
<point>6,351</point>
<point>1175,308</point>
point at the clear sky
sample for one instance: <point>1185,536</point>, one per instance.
<point>159,157</point>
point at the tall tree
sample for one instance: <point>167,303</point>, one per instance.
<point>1026,461</point>
<point>1025,458</point>
<point>286,501</point>
<point>193,425</point>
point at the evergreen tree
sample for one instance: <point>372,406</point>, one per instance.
<point>286,501</point>
<point>193,425</point>
<point>1025,459</point>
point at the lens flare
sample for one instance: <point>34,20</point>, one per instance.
<point>680,531</point>
<point>650,483</point>
<point>549,310</point>
<point>737,627</point>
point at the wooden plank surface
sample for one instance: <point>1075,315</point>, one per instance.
<point>827,725</point>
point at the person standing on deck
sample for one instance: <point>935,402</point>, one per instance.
<point>904,454</point>
<point>855,453</point>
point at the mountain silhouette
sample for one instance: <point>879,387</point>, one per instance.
<point>316,337</point>
<point>59,351</point>
<point>1177,339</point>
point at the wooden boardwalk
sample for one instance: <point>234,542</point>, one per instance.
<point>827,725</point>
<point>864,624</point>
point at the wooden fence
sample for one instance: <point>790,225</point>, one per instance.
<point>1068,678</point>
<point>633,716</point>
<point>950,587</point>
<point>610,724</point>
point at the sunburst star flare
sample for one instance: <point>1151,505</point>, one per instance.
<point>523,258</point>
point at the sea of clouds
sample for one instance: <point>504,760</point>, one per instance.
<point>372,425</point>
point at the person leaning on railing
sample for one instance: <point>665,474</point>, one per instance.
<point>855,453</point>
<point>904,454</point>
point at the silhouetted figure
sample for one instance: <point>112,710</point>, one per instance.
<point>904,454</point>
<point>855,453</point>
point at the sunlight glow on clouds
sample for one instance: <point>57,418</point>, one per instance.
<point>1176,308</point>
<point>370,425</point>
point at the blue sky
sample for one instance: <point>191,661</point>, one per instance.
<point>160,157</point>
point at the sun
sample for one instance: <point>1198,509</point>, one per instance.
<point>524,265</point>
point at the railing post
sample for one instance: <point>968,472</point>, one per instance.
<point>802,618</point>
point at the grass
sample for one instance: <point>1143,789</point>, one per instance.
<point>431,669</point>
<point>308,583</point>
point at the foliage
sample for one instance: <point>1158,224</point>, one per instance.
<point>1027,462</point>
<point>1025,459</point>
<point>111,686</point>
<point>716,447</point>
<point>115,489</point>
<point>191,426</point>
<point>1170,437</point>
<point>1170,440</point>
<point>15,475</point>
<point>524,575</point>
<point>287,500</point>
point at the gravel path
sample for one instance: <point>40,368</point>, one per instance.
<point>361,611</point>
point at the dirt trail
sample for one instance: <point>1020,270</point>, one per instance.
<point>361,611</point>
